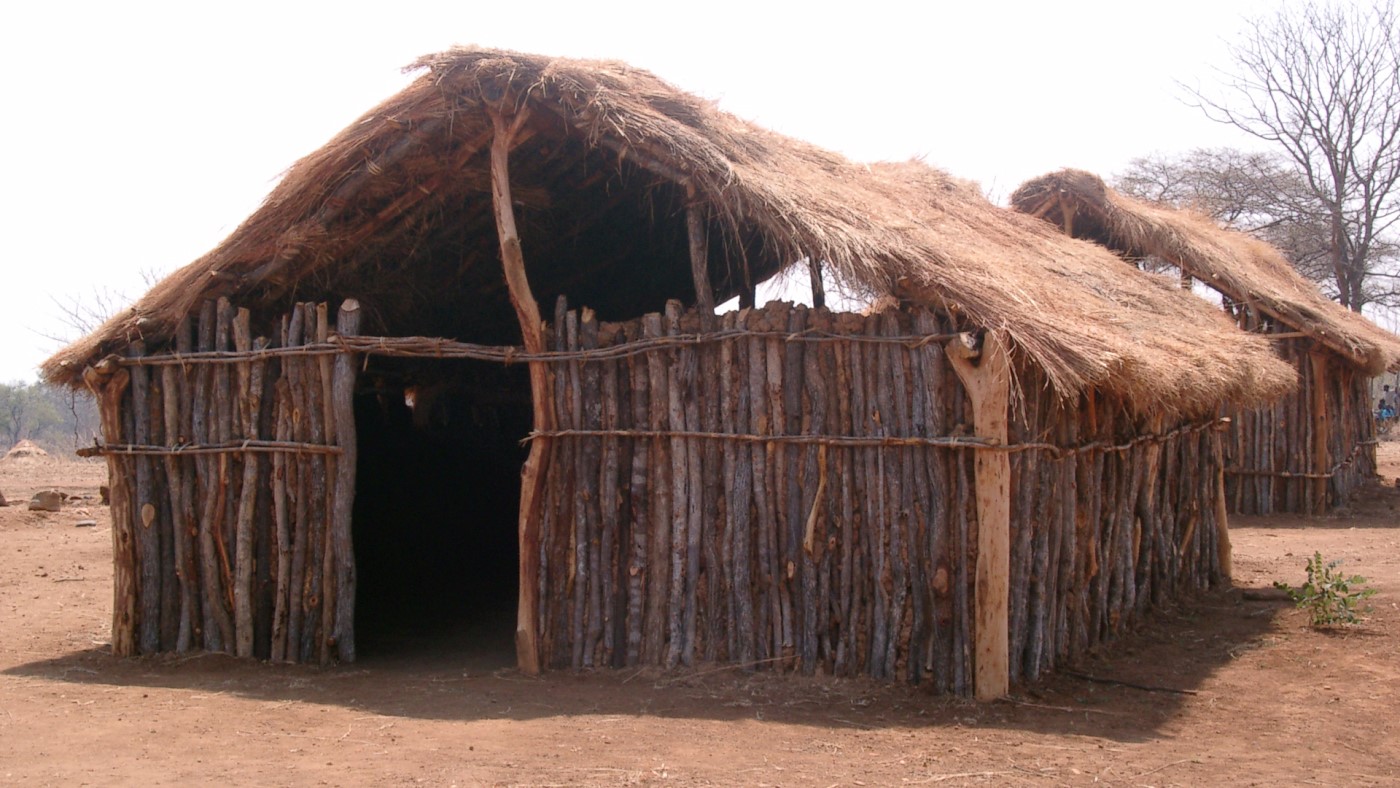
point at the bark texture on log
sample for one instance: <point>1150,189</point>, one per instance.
<point>1310,451</point>
<point>215,548</point>
<point>852,559</point>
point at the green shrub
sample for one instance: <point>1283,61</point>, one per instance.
<point>1329,596</point>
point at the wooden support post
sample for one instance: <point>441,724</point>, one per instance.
<point>988,385</point>
<point>699,254</point>
<point>1067,210</point>
<point>347,324</point>
<point>1222,515</point>
<point>1320,460</point>
<point>814,271</point>
<point>248,404</point>
<point>108,384</point>
<point>527,312</point>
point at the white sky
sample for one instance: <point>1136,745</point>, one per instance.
<point>139,134</point>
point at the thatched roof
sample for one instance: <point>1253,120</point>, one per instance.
<point>1237,265</point>
<point>395,211</point>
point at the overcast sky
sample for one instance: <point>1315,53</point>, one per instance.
<point>138,135</point>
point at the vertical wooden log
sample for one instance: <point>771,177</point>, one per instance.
<point>740,505</point>
<point>859,596</point>
<point>588,621</point>
<point>935,495</point>
<point>108,387</point>
<point>347,324</point>
<point>557,531</point>
<point>314,491</point>
<point>716,573</point>
<point>323,588</point>
<point>148,550</point>
<point>299,472</point>
<point>161,491</point>
<point>893,397</point>
<point>610,500</point>
<point>783,473</point>
<point>1222,515</point>
<point>1321,459</point>
<point>532,475</point>
<point>699,254</point>
<point>814,483</point>
<point>879,504</point>
<point>659,539</point>
<point>218,625</point>
<point>760,423</point>
<point>677,385</point>
<point>988,386</point>
<point>694,511</point>
<point>177,397</point>
<point>846,588</point>
<point>281,463</point>
<point>226,494</point>
<point>249,393</point>
<point>638,568</point>
<point>814,273</point>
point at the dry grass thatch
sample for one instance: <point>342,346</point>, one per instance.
<point>1237,265</point>
<point>406,182</point>
<point>25,449</point>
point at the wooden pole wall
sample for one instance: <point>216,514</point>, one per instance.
<point>219,546</point>
<point>1311,450</point>
<point>844,560</point>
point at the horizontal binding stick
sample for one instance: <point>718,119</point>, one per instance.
<point>231,447</point>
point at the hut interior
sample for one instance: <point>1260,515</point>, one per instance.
<point>436,503</point>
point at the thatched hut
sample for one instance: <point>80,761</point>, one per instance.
<point>1008,468</point>
<point>1303,453</point>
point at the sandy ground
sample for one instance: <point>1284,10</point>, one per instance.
<point>1241,693</point>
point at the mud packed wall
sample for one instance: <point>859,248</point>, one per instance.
<point>1274,460</point>
<point>783,488</point>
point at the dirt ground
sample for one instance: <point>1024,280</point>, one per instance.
<point>1242,693</point>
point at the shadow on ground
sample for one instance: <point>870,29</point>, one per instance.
<point>1125,692</point>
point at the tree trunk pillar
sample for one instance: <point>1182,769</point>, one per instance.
<point>108,385</point>
<point>532,475</point>
<point>1321,436</point>
<point>986,374</point>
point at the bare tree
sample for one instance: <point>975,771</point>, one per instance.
<point>1322,82</point>
<point>83,314</point>
<point>14,403</point>
<point>1259,193</point>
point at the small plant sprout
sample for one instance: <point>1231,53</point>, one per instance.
<point>1329,596</point>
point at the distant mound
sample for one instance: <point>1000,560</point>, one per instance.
<point>25,450</point>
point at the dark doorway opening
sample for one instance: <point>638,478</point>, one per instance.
<point>437,496</point>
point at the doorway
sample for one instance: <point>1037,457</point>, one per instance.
<point>437,497</point>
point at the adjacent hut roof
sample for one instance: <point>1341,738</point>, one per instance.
<point>1238,265</point>
<point>396,211</point>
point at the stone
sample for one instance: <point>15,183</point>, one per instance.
<point>2,500</point>
<point>85,524</point>
<point>46,501</point>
